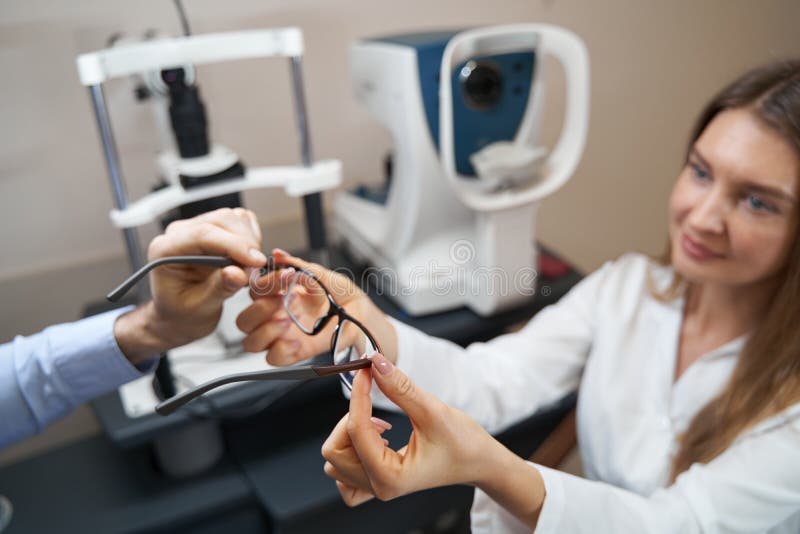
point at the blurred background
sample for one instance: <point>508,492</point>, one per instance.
<point>653,64</point>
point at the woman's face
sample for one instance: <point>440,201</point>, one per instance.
<point>734,209</point>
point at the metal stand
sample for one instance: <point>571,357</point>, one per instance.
<point>315,223</point>
<point>130,236</point>
<point>312,202</point>
<point>195,447</point>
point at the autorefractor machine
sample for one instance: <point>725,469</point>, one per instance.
<point>453,225</point>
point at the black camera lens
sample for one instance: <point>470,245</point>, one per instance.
<point>173,77</point>
<point>481,84</point>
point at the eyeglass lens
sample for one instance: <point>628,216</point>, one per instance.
<point>306,302</point>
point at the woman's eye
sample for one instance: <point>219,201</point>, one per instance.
<point>755,203</point>
<point>698,172</point>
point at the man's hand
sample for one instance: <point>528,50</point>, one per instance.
<point>187,299</point>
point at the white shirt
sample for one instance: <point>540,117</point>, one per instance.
<point>609,336</point>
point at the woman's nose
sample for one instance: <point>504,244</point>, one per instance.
<point>709,213</point>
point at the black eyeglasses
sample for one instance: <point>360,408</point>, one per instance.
<point>308,303</point>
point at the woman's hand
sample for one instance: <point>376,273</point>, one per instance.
<point>358,488</point>
<point>268,326</point>
<point>446,446</point>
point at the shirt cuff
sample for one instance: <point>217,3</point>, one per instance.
<point>87,359</point>
<point>553,506</point>
<point>488,517</point>
<point>405,353</point>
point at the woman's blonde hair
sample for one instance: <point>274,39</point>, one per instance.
<point>766,379</point>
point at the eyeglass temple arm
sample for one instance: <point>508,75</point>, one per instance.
<point>301,373</point>
<point>124,287</point>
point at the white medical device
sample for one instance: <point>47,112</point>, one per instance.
<point>454,226</point>
<point>184,168</point>
<point>145,58</point>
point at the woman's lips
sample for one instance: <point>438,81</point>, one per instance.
<point>696,250</point>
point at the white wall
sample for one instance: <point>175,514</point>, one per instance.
<point>653,66</point>
<point>654,63</point>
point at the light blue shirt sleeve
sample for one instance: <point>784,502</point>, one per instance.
<point>45,376</point>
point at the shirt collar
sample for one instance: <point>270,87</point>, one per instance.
<point>662,275</point>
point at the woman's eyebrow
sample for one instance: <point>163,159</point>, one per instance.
<point>772,191</point>
<point>751,186</point>
<point>696,153</point>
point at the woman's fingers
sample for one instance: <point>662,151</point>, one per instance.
<point>265,323</point>
<point>282,257</point>
<point>263,337</point>
<point>268,327</point>
<point>342,462</point>
<point>422,408</point>
<point>353,496</point>
<point>271,284</point>
<point>382,465</point>
<point>380,424</point>
<point>355,478</point>
<point>416,466</point>
<point>287,351</point>
<point>340,286</point>
<point>337,440</point>
<point>259,312</point>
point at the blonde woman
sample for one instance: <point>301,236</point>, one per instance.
<point>688,369</point>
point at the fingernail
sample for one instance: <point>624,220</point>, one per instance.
<point>280,251</point>
<point>381,423</point>
<point>383,365</point>
<point>257,255</point>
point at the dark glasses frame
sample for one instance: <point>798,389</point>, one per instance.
<point>334,311</point>
<point>307,372</point>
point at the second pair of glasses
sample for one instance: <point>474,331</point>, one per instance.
<point>310,306</point>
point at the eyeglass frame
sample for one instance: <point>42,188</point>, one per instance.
<point>334,310</point>
<point>168,406</point>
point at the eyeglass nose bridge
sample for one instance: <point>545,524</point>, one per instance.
<point>322,322</point>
